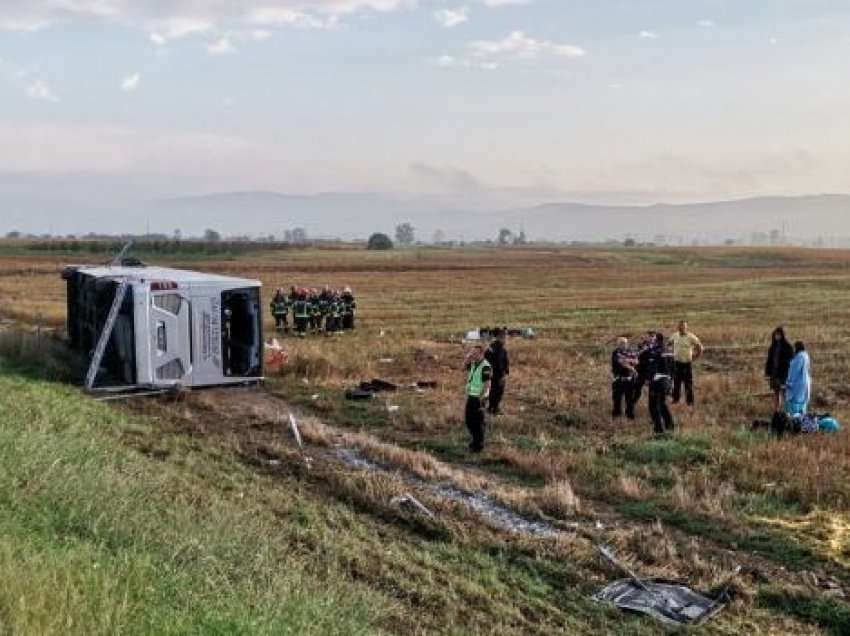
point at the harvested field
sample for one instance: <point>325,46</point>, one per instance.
<point>690,507</point>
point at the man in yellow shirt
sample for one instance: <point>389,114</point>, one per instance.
<point>686,349</point>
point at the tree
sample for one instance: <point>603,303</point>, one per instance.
<point>520,238</point>
<point>439,237</point>
<point>629,242</point>
<point>505,236</point>
<point>299,235</point>
<point>405,234</point>
<point>211,236</point>
<point>379,241</point>
<point>14,234</point>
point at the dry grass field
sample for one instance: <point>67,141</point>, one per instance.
<point>689,508</point>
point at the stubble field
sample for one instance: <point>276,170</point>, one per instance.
<point>688,508</point>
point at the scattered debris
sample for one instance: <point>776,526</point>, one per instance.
<point>485,333</point>
<point>277,355</point>
<point>315,397</point>
<point>358,395</point>
<point>393,408</point>
<point>386,360</point>
<point>426,384</point>
<point>668,602</point>
<point>376,385</point>
<point>409,501</point>
<point>499,516</point>
<point>296,433</point>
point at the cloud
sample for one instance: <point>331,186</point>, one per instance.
<point>443,61</point>
<point>451,17</point>
<point>648,35</point>
<point>174,19</point>
<point>444,178</point>
<point>130,83</point>
<point>39,90</point>
<point>519,45</point>
<point>504,3</point>
<point>221,46</point>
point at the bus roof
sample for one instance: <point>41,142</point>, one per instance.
<point>146,273</point>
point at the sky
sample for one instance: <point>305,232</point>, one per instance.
<point>596,100</point>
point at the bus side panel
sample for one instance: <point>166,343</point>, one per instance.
<point>206,336</point>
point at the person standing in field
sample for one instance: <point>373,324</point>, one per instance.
<point>798,385</point>
<point>778,363</point>
<point>686,348</point>
<point>478,375</point>
<point>301,313</point>
<point>642,375</point>
<point>658,376</point>
<point>280,310</point>
<point>348,307</point>
<point>497,356</point>
<point>624,372</point>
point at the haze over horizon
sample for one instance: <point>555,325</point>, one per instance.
<point>469,107</point>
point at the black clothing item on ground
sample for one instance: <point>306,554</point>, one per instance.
<point>778,361</point>
<point>623,389</point>
<point>497,392</point>
<point>474,418</point>
<point>683,373</point>
<point>662,419</point>
<point>497,356</point>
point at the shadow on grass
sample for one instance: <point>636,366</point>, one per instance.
<point>756,539</point>
<point>829,614</point>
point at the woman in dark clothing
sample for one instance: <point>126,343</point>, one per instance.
<point>778,362</point>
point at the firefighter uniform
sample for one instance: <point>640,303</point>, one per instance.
<point>280,310</point>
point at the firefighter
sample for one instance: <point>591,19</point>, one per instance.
<point>315,311</point>
<point>348,307</point>
<point>324,307</point>
<point>301,313</point>
<point>335,315</point>
<point>280,310</point>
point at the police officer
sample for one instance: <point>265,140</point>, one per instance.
<point>348,307</point>
<point>301,313</point>
<point>497,356</point>
<point>478,374</point>
<point>658,363</point>
<point>624,374</point>
<point>280,310</point>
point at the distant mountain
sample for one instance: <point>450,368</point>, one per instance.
<point>72,205</point>
<point>350,215</point>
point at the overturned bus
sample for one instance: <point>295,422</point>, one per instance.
<point>159,328</point>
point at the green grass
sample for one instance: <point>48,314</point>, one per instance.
<point>831,615</point>
<point>97,539</point>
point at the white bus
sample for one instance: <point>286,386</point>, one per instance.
<point>173,328</point>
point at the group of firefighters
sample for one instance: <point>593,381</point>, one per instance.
<point>329,311</point>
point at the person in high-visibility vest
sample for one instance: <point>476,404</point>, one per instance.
<point>280,310</point>
<point>478,374</point>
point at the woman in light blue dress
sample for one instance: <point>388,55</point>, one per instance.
<point>798,387</point>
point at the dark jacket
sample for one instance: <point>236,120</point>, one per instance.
<point>497,356</point>
<point>778,362</point>
<point>618,367</point>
